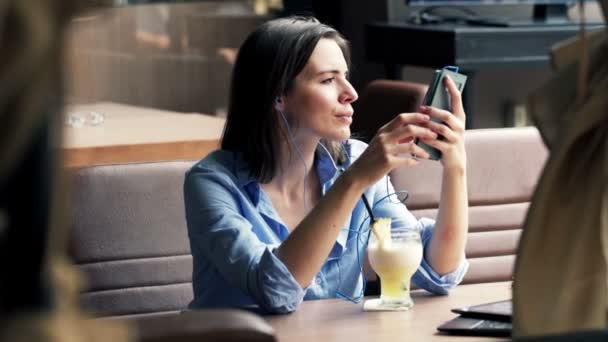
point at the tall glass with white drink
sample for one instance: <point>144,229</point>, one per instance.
<point>395,256</point>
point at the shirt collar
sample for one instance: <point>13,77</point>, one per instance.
<point>244,179</point>
<point>327,172</point>
<point>324,165</point>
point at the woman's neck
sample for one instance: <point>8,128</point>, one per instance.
<point>295,166</point>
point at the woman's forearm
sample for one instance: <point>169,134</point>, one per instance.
<point>446,248</point>
<point>309,244</point>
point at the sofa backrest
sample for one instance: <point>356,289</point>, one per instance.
<point>129,237</point>
<point>503,166</point>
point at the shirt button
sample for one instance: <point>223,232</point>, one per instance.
<point>319,281</point>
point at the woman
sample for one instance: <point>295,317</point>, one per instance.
<point>274,215</point>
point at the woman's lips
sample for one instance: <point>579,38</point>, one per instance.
<point>346,117</point>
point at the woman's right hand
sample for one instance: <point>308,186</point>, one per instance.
<point>392,146</point>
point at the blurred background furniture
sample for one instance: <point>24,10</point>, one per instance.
<point>472,48</point>
<point>163,55</point>
<point>136,134</point>
<point>380,101</point>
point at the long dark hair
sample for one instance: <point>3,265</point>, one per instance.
<point>267,64</point>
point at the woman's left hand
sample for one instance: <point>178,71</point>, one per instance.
<point>452,145</point>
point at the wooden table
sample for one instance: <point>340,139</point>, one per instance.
<point>137,134</point>
<point>339,320</point>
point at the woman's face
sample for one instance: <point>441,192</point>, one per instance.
<point>320,101</point>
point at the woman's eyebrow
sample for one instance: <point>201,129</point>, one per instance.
<point>332,71</point>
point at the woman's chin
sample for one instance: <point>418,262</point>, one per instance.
<point>339,135</point>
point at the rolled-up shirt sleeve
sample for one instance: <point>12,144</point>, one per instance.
<point>220,234</point>
<point>425,277</point>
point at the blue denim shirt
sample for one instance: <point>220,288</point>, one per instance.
<point>234,231</point>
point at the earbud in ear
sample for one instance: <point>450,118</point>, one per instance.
<point>277,102</point>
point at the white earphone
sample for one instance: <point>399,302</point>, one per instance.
<point>277,102</point>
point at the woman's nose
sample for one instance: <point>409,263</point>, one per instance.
<point>349,94</point>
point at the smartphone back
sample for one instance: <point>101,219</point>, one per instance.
<point>438,96</point>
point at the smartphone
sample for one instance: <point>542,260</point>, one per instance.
<point>437,96</point>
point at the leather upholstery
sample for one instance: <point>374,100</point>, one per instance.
<point>129,237</point>
<point>380,101</point>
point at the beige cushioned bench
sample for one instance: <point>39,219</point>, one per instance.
<point>129,237</point>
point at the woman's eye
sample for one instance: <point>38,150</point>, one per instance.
<point>328,80</point>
